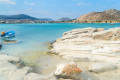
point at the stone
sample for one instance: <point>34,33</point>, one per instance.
<point>7,69</point>
<point>100,67</point>
<point>19,74</point>
<point>34,76</point>
<point>9,58</point>
<point>10,69</point>
<point>68,71</point>
<point>71,68</point>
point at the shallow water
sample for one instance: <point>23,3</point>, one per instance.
<point>31,36</point>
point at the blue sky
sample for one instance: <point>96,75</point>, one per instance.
<point>55,8</point>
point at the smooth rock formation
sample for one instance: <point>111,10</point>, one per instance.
<point>34,76</point>
<point>12,68</point>
<point>68,71</point>
<point>100,67</point>
<point>111,34</point>
<point>9,58</point>
<point>12,71</point>
<point>89,44</point>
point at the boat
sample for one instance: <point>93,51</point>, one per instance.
<point>9,34</point>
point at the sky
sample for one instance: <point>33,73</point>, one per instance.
<point>55,8</point>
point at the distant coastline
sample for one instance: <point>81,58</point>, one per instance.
<point>107,16</point>
<point>26,21</point>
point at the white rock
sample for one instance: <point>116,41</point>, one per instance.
<point>5,57</point>
<point>87,43</point>
<point>6,66</point>
<point>19,74</point>
<point>100,67</point>
<point>34,76</point>
<point>7,69</point>
<point>59,69</point>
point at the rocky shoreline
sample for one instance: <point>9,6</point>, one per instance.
<point>13,68</point>
<point>99,46</point>
<point>95,53</point>
<point>89,44</point>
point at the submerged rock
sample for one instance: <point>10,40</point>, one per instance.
<point>0,46</point>
<point>10,69</point>
<point>10,41</point>
<point>102,67</point>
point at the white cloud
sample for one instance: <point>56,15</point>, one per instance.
<point>84,4</point>
<point>30,4</point>
<point>7,2</point>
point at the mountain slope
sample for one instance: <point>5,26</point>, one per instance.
<point>111,15</point>
<point>20,16</point>
<point>64,19</point>
<point>45,19</point>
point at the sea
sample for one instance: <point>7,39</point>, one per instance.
<point>32,36</point>
<point>32,39</point>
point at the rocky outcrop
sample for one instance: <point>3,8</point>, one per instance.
<point>95,45</point>
<point>111,34</point>
<point>12,68</point>
<point>89,44</point>
<point>111,15</point>
<point>102,67</point>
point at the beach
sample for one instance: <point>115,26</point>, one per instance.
<point>34,51</point>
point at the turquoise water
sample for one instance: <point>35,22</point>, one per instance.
<point>31,36</point>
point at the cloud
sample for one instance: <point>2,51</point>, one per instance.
<point>7,2</point>
<point>29,3</point>
<point>84,4</point>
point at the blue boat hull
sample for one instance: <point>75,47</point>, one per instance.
<point>10,34</point>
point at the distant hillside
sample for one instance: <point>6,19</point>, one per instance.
<point>111,15</point>
<point>45,19</point>
<point>20,16</point>
<point>64,19</point>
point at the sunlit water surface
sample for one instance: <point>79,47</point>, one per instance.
<point>32,39</point>
<point>32,36</point>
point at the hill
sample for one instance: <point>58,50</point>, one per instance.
<point>18,17</point>
<point>45,19</point>
<point>64,19</point>
<point>110,16</point>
